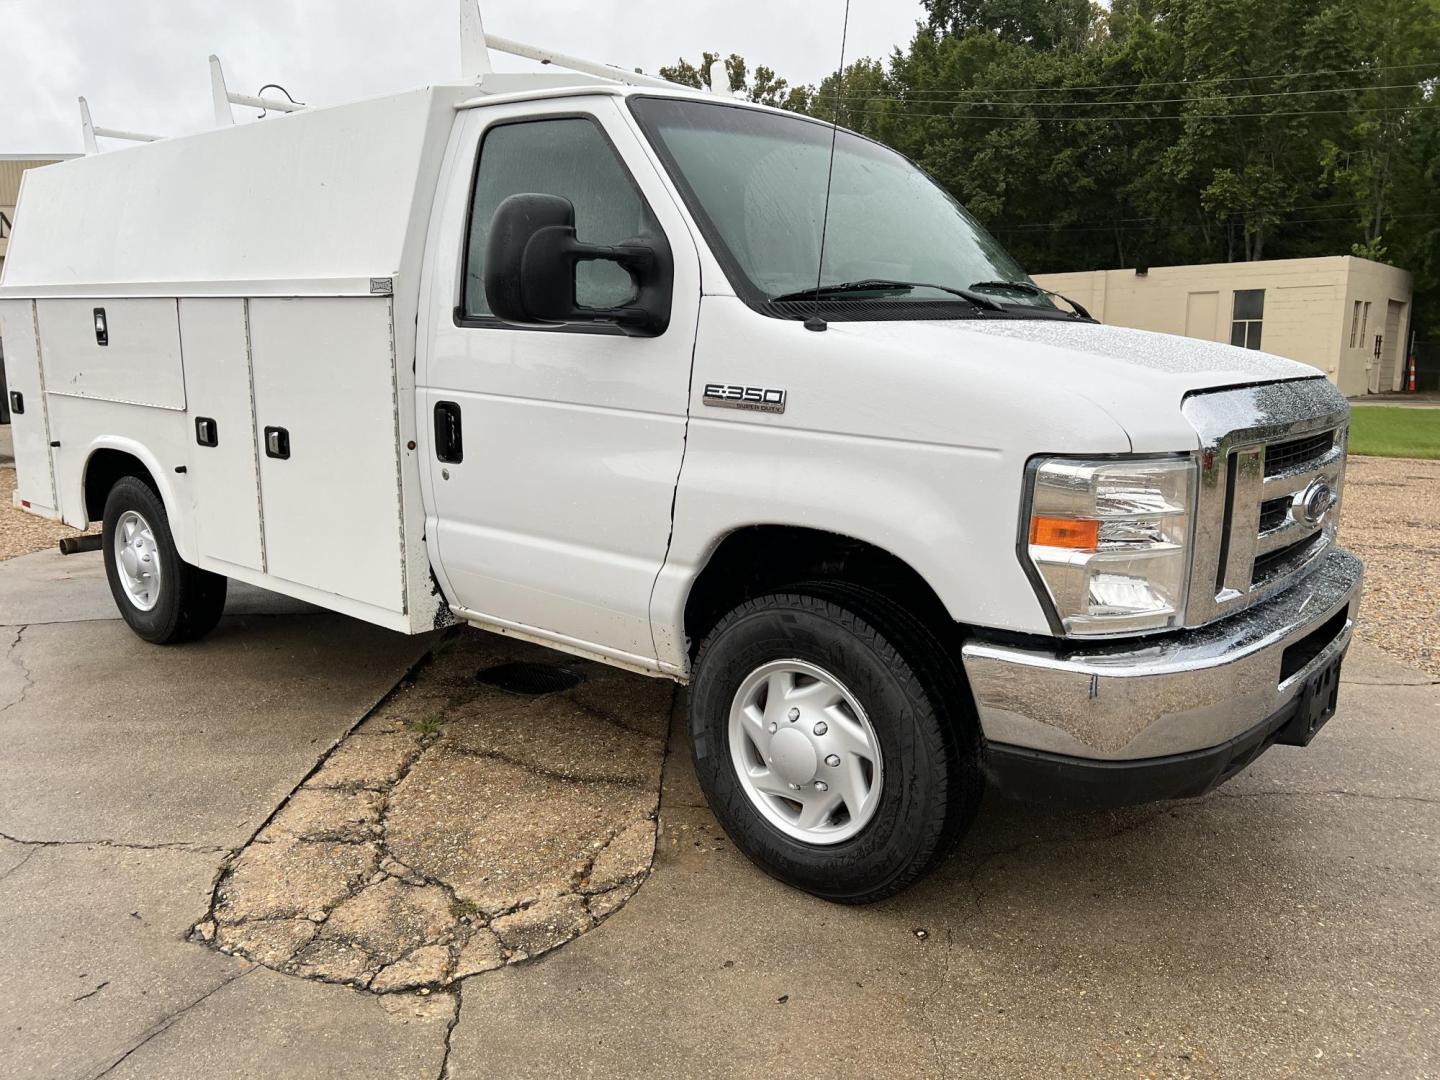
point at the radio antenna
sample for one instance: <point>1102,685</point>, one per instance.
<point>815,322</point>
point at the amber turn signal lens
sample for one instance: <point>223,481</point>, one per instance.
<point>1078,534</point>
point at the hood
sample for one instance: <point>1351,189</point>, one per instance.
<point>1140,378</point>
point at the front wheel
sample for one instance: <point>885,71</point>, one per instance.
<point>164,599</point>
<point>830,743</point>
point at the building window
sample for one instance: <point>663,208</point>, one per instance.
<point>1245,324</point>
<point>1355,325</point>
<point>1364,322</point>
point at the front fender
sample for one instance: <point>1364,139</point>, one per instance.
<point>907,499</point>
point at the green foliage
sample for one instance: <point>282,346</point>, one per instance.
<point>1163,131</point>
<point>764,86</point>
<point>1042,24</point>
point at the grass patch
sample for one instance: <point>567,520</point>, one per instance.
<point>1388,432</point>
<point>429,725</point>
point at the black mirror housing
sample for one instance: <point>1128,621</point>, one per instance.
<point>532,256</point>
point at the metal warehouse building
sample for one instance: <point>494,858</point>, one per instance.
<point>1348,317</point>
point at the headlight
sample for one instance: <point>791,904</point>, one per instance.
<point>1110,541</point>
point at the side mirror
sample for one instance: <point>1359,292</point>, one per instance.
<point>531,262</point>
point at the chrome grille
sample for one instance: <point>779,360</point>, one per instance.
<point>1282,559</point>
<point>1274,513</point>
<point>1285,456</point>
<point>1266,454</point>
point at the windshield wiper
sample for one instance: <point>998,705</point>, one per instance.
<point>1034,290</point>
<point>987,303</point>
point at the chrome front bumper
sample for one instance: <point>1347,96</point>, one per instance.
<point>1187,692</point>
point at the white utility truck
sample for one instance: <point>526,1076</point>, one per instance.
<point>545,354</point>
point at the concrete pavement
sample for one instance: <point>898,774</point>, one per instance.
<point>1287,925</point>
<point>126,776</point>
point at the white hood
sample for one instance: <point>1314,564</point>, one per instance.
<point>1138,377</point>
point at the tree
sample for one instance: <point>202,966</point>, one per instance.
<point>1040,24</point>
<point>765,87</point>
<point>1163,131</point>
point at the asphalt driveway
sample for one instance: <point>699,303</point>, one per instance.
<point>1287,925</point>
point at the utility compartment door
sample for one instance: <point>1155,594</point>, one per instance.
<point>325,418</point>
<point>34,481</point>
<point>125,351</point>
<point>224,479</point>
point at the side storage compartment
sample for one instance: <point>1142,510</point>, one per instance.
<point>123,351</point>
<point>224,473</point>
<point>112,371</point>
<point>29,423</point>
<point>325,413</point>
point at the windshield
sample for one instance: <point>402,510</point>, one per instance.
<point>756,180</point>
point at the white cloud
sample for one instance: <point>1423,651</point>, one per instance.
<point>141,63</point>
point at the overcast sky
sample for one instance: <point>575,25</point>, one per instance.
<point>142,63</point>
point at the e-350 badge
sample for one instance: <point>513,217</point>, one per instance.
<point>755,398</point>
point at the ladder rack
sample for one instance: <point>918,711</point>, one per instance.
<point>91,132</point>
<point>475,49</point>
<point>222,98</point>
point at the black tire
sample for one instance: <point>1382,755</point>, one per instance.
<point>916,701</point>
<point>189,601</point>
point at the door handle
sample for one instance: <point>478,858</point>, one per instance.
<point>17,402</point>
<point>277,443</point>
<point>207,432</point>
<point>449,445</point>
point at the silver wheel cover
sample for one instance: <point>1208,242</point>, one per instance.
<point>138,560</point>
<point>805,752</point>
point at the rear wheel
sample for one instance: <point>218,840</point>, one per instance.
<point>832,740</point>
<point>164,599</point>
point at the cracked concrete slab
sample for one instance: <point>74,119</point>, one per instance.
<point>1268,930</point>
<point>265,1025</point>
<point>129,773</point>
<point>93,956</point>
<point>121,740</point>
<point>459,828</point>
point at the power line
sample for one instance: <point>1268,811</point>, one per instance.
<point>1194,82</point>
<point>911,116</point>
<point>1052,227</point>
<point>1251,209</point>
<point>881,96</point>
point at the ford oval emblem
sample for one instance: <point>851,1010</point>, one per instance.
<point>1315,501</point>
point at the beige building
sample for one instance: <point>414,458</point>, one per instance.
<point>12,167</point>
<point>1348,317</point>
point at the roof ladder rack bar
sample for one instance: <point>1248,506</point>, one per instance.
<point>91,132</point>
<point>475,46</point>
<point>474,52</point>
<point>222,98</point>
<point>574,63</point>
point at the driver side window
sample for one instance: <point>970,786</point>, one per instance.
<point>569,157</point>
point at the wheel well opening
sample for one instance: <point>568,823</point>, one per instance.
<point>762,558</point>
<point>103,469</point>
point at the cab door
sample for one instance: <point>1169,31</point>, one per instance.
<point>553,453</point>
